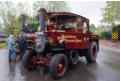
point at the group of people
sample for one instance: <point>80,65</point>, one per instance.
<point>10,42</point>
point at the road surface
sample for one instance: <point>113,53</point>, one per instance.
<point>107,68</point>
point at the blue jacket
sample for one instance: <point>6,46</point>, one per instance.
<point>7,41</point>
<point>11,44</point>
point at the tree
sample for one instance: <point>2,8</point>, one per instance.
<point>111,13</point>
<point>37,5</point>
<point>10,13</point>
<point>51,6</point>
<point>1,29</point>
<point>92,26</point>
<point>57,6</point>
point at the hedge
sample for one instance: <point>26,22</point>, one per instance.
<point>116,29</point>
<point>2,45</point>
<point>103,34</point>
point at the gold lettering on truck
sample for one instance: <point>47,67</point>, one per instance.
<point>69,38</point>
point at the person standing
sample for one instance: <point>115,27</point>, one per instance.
<point>7,40</point>
<point>22,45</point>
<point>11,48</point>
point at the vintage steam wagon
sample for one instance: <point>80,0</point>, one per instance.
<point>62,38</point>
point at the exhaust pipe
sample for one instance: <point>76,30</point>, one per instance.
<point>42,17</point>
<point>22,22</point>
<point>41,41</point>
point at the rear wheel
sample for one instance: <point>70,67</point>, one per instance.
<point>92,52</point>
<point>58,65</point>
<point>29,60</point>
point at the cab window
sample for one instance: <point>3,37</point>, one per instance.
<point>84,27</point>
<point>80,24</point>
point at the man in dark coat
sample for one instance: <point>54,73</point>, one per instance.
<point>22,45</point>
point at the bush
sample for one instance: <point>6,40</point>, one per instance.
<point>103,34</point>
<point>2,45</point>
<point>116,29</point>
<point>92,31</point>
<point>34,25</point>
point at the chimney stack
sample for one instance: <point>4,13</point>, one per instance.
<point>42,16</point>
<point>22,22</point>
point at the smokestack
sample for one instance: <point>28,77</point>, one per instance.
<point>42,13</point>
<point>22,22</point>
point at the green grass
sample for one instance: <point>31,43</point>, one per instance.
<point>2,45</point>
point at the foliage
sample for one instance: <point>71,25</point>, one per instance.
<point>92,31</point>
<point>57,6</point>
<point>2,45</point>
<point>37,5</point>
<point>116,29</point>
<point>1,30</point>
<point>103,34</point>
<point>92,28</point>
<point>23,8</point>
<point>9,13</point>
<point>111,13</point>
<point>34,24</point>
<point>51,6</point>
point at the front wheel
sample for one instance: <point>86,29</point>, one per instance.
<point>29,60</point>
<point>92,52</point>
<point>58,65</point>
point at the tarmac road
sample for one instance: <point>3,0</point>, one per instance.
<point>107,68</point>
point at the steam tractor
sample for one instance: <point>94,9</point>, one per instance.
<point>60,40</point>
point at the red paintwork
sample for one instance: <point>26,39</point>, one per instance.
<point>49,28</point>
<point>44,61</point>
<point>61,66</point>
<point>74,39</point>
<point>71,30</point>
<point>76,24</point>
<point>71,43</point>
<point>31,36</point>
<point>85,37</point>
<point>77,39</point>
<point>32,61</point>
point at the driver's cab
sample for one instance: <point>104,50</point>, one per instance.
<point>66,22</point>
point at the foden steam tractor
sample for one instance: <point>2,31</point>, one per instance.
<point>59,42</point>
